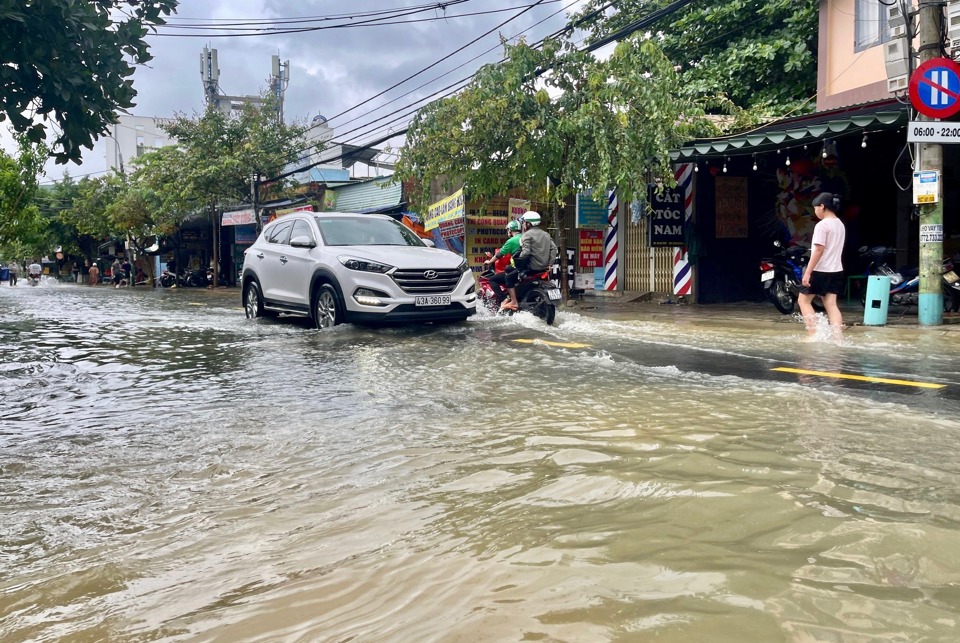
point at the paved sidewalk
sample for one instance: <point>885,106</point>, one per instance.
<point>621,308</point>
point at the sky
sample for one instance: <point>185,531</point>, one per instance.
<point>331,70</point>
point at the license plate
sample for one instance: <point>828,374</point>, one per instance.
<point>766,276</point>
<point>553,293</point>
<point>433,300</point>
<point>951,277</point>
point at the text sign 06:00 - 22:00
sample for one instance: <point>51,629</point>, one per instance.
<point>933,132</point>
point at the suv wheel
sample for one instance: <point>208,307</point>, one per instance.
<point>326,308</point>
<point>253,301</point>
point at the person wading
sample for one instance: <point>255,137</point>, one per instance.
<point>824,273</point>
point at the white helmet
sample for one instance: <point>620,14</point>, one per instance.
<point>531,217</point>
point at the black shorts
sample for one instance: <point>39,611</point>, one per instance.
<point>825,283</point>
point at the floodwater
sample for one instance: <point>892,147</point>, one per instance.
<point>170,471</point>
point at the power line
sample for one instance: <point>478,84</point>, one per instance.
<point>621,33</point>
<point>379,22</point>
<point>437,62</point>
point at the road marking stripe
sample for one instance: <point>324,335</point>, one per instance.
<point>557,344</point>
<point>860,378</point>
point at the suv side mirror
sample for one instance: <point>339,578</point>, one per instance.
<point>429,243</point>
<point>303,241</point>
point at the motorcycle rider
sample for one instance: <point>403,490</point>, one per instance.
<point>34,270</point>
<point>537,253</point>
<point>501,260</point>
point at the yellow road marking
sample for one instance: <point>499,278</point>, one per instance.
<point>557,344</point>
<point>860,378</point>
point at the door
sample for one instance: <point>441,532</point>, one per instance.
<point>270,257</point>
<point>296,266</point>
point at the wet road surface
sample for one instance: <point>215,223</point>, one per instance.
<point>172,471</point>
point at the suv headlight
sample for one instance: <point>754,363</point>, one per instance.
<point>464,268</point>
<point>364,265</point>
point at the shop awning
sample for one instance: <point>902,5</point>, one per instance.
<point>802,130</point>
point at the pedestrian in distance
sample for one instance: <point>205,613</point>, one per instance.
<point>824,273</point>
<point>94,274</point>
<point>14,269</point>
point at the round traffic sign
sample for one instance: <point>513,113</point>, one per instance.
<point>935,88</point>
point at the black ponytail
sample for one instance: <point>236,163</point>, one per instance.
<point>832,201</point>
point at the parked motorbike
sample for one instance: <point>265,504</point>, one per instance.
<point>905,283</point>
<point>168,279</point>
<point>782,277</point>
<point>196,279</point>
<point>536,294</point>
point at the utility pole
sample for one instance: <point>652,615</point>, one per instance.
<point>930,45</point>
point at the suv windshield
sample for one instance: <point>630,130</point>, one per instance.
<point>365,231</point>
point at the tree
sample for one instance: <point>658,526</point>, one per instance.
<point>20,221</point>
<point>760,55</point>
<point>215,158</point>
<point>555,113</point>
<point>66,62</point>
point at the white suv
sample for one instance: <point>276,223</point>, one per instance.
<point>365,268</point>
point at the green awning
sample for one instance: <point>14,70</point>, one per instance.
<point>790,133</point>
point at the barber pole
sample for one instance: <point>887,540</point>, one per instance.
<point>682,275</point>
<point>610,250</point>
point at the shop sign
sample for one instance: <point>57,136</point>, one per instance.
<point>591,214</point>
<point>731,207</point>
<point>451,229</point>
<point>666,217</point>
<point>238,217</point>
<point>302,208</point>
<point>481,240</point>
<point>518,207</point>
<point>245,234</point>
<point>591,248</point>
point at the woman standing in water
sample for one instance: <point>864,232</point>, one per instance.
<point>824,273</point>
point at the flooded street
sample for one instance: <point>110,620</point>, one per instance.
<point>170,471</point>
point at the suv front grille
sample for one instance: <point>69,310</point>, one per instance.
<point>415,282</point>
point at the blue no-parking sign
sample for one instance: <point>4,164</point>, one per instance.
<point>935,88</point>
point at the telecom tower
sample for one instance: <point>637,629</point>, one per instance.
<point>210,77</point>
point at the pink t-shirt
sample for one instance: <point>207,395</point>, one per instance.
<point>830,234</point>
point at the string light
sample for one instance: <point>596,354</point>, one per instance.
<point>754,162</point>
<point>788,160</point>
<point>696,167</point>
<point>863,143</point>
<point>725,164</point>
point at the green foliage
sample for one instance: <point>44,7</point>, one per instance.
<point>589,123</point>
<point>20,221</point>
<point>753,56</point>
<point>70,62</point>
<point>217,154</point>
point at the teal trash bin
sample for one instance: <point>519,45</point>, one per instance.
<point>878,300</point>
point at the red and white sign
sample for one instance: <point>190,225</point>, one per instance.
<point>591,248</point>
<point>935,88</point>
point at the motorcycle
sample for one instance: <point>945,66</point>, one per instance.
<point>33,280</point>
<point>168,279</point>
<point>905,283</point>
<point>535,291</point>
<point>782,277</point>
<point>196,279</point>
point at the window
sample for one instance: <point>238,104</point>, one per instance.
<point>870,29</point>
<point>280,232</point>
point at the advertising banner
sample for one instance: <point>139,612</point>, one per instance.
<point>666,217</point>
<point>443,210</point>
<point>238,217</point>
<point>481,240</point>
<point>518,207</point>
<point>451,229</point>
<point>591,249</point>
<point>300,208</point>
